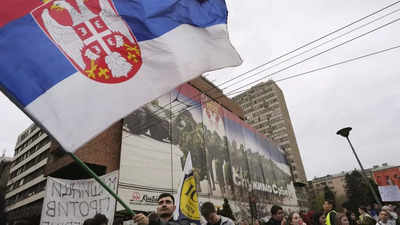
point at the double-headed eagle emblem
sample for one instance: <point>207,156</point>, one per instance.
<point>93,37</point>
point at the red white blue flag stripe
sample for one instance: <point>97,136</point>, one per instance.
<point>77,66</point>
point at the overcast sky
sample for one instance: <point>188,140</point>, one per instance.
<point>364,94</point>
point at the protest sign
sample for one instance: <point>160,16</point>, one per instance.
<point>71,202</point>
<point>390,193</point>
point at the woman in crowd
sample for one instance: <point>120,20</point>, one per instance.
<point>353,218</point>
<point>342,219</point>
<point>295,219</point>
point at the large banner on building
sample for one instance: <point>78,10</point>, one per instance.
<point>71,202</point>
<point>260,173</point>
<point>230,159</point>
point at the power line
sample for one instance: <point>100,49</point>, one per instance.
<point>312,42</point>
<point>323,43</point>
<point>331,65</point>
<point>314,70</point>
<point>229,93</point>
<point>315,55</point>
<point>303,46</point>
<point>336,64</point>
<point>198,105</point>
<point>339,63</point>
<point>290,66</point>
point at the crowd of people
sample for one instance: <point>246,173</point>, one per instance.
<point>368,215</point>
<point>365,215</point>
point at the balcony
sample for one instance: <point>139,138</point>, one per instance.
<point>28,171</point>
<point>25,186</point>
<point>43,148</point>
<point>26,201</point>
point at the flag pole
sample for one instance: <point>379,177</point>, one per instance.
<point>89,171</point>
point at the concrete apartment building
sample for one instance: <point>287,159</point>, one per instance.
<point>26,183</point>
<point>337,182</point>
<point>265,110</point>
<point>5,163</point>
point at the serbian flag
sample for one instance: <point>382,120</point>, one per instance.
<point>187,202</point>
<point>77,66</point>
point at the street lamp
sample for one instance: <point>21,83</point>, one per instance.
<point>344,132</point>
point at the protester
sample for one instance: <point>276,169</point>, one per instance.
<point>88,222</point>
<point>164,213</point>
<point>342,219</point>
<point>308,217</point>
<point>377,209</point>
<point>99,219</point>
<point>383,218</point>
<point>226,210</point>
<point>365,218</point>
<point>329,210</point>
<point>353,218</point>
<point>243,222</point>
<point>210,214</point>
<point>277,215</point>
<point>295,219</point>
<point>392,216</point>
<point>319,218</point>
<point>372,212</point>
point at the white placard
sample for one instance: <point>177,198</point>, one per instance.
<point>389,193</point>
<point>71,202</point>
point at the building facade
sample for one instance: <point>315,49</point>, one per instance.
<point>381,174</point>
<point>265,110</point>
<point>25,187</point>
<point>5,163</point>
<point>336,183</point>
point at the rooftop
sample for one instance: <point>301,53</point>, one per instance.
<point>343,173</point>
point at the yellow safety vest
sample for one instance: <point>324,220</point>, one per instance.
<point>328,217</point>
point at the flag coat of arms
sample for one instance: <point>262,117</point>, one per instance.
<point>77,66</point>
<point>187,203</point>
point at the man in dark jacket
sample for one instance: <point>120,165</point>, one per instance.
<point>277,215</point>
<point>163,216</point>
